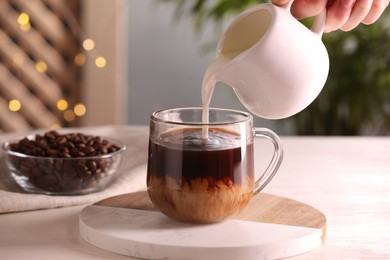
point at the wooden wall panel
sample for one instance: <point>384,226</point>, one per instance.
<point>52,39</point>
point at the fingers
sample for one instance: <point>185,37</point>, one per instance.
<point>307,8</point>
<point>303,8</point>
<point>341,14</point>
<point>358,13</point>
<point>377,8</point>
<point>338,14</point>
<point>347,14</point>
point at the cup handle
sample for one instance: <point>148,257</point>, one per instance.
<point>319,21</point>
<point>275,162</point>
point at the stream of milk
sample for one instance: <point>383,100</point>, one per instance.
<point>210,79</point>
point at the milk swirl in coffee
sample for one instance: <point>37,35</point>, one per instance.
<point>191,179</point>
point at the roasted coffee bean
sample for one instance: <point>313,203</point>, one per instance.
<point>92,165</point>
<point>52,144</point>
<point>61,140</point>
<point>66,166</point>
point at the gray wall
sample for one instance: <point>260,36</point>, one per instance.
<point>167,63</point>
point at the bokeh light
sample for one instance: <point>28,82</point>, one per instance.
<point>69,115</point>
<point>23,19</point>
<point>79,59</point>
<point>14,105</point>
<point>100,62</point>
<point>80,109</point>
<point>62,104</point>
<point>88,44</point>
<point>25,27</point>
<point>55,126</point>
<point>41,66</point>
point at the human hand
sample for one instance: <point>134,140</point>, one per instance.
<point>341,14</point>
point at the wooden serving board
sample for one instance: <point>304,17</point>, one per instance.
<point>270,227</point>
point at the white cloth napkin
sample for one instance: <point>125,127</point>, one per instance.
<point>131,176</point>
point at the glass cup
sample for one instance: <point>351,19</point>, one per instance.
<point>204,172</point>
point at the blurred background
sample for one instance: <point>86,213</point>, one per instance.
<point>96,62</point>
<point>63,63</point>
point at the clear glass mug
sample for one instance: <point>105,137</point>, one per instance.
<point>204,172</point>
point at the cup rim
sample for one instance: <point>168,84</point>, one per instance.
<point>247,117</point>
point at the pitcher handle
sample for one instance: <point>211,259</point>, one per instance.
<point>276,159</point>
<point>319,23</point>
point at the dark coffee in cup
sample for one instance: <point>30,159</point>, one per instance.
<point>197,180</point>
<point>202,171</point>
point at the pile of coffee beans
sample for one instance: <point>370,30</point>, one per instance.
<point>65,162</point>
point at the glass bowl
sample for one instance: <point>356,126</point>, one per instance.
<point>66,167</point>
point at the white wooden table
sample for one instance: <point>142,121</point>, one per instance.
<point>347,178</point>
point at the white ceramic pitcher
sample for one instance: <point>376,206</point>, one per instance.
<point>275,65</point>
